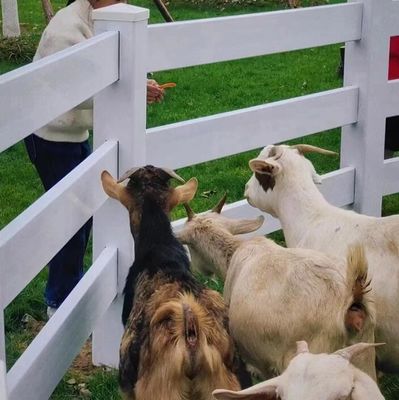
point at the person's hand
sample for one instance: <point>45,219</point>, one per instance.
<point>154,92</point>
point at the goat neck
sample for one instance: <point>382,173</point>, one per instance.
<point>216,246</point>
<point>298,204</point>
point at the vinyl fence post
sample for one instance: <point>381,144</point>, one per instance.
<point>362,143</point>
<point>120,114</point>
<point>2,335</point>
<point>10,18</point>
<point>3,381</point>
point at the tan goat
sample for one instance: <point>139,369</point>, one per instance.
<point>278,296</point>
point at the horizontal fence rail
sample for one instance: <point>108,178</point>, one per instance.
<point>203,139</point>
<point>46,84</point>
<point>391,176</point>
<point>343,178</point>
<point>54,219</point>
<point>37,372</point>
<point>393,94</point>
<point>184,44</point>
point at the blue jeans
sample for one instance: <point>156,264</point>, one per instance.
<point>54,160</point>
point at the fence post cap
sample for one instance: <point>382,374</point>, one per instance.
<point>121,12</point>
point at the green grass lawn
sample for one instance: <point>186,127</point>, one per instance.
<point>200,91</point>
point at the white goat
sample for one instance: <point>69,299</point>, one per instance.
<point>283,185</point>
<point>278,296</point>
<point>314,377</point>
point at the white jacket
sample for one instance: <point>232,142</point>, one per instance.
<point>71,25</point>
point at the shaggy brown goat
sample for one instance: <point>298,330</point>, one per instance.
<point>176,344</point>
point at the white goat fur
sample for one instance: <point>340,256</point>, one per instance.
<point>313,377</point>
<point>309,221</point>
<point>277,296</point>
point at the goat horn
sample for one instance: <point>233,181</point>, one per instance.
<point>173,174</point>
<point>219,206</point>
<point>302,347</point>
<point>351,351</point>
<point>189,211</point>
<point>128,174</point>
<point>307,148</point>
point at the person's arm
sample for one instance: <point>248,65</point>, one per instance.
<point>154,94</point>
<point>154,91</point>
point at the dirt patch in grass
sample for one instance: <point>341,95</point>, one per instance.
<point>82,366</point>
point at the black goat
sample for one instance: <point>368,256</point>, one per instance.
<point>176,343</point>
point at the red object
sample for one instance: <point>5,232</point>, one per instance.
<point>393,72</point>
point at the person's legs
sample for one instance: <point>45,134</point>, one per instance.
<point>66,268</point>
<point>54,160</point>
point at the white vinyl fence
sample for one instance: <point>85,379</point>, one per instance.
<point>10,18</point>
<point>112,66</point>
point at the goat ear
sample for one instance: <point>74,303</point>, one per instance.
<point>269,167</point>
<point>364,388</point>
<point>246,225</point>
<point>184,193</point>
<point>113,189</point>
<point>355,349</point>
<point>262,391</point>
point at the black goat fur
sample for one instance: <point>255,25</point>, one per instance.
<point>157,249</point>
<point>160,259</point>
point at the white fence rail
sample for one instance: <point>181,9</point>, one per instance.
<point>53,350</point>
<point>68,198</point>
<point>189,43</point>
<point>203,139</point>
<point>113,66</point>
<point>47,84</point>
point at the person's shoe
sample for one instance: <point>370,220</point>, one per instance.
<point>51,311</point>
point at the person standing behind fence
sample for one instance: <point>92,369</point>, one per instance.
<point>61,145</point>
<point>392,123</point>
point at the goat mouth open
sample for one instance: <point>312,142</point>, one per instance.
<point>190,327</point>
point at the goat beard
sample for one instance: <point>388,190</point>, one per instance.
<point>181,363</point>
<point>169,379</point>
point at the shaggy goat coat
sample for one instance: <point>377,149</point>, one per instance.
<point>176,343</point>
